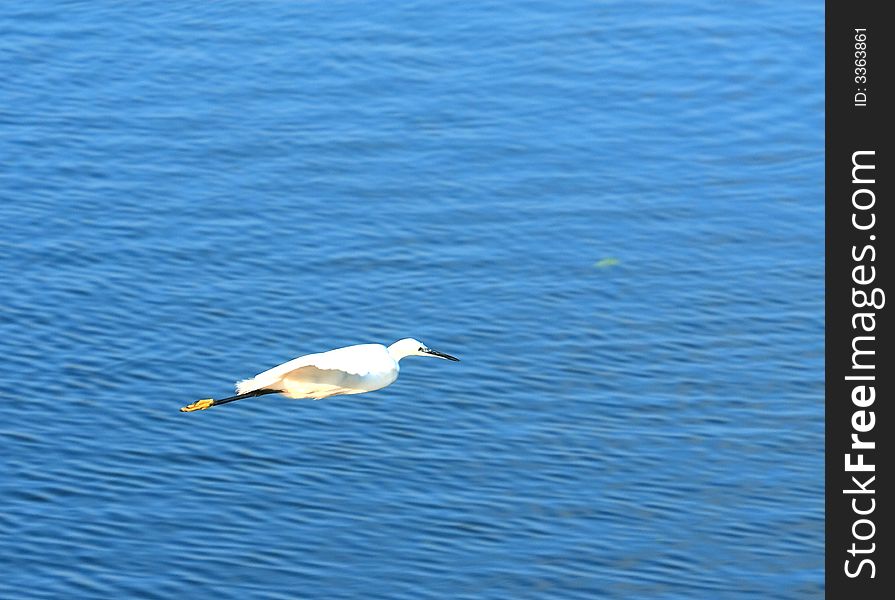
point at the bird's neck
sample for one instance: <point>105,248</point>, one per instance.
<point>399,351</point>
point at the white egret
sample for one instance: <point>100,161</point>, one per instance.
<point>349,370</point>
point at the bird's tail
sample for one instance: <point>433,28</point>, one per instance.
<point>206,403</point>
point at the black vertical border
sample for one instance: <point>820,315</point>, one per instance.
<point>851,128</point>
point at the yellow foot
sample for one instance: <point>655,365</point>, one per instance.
<point>198,405</point>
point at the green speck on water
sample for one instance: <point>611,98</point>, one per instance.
<point>606,262</point>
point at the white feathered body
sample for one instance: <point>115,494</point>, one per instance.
<point>349,370</point>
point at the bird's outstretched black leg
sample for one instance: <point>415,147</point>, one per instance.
<point>206,403</point>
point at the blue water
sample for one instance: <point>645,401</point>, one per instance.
<point>611,212</point>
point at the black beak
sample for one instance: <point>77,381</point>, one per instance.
<point>441,354</point>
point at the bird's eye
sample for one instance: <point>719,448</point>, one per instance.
<point>422,349</point>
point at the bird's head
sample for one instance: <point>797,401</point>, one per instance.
<point>412,347</point>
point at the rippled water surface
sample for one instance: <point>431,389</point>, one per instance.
<point>612,212</point>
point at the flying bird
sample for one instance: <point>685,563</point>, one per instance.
<point>349,370</point>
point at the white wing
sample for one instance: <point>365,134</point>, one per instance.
<point>357,360</point>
